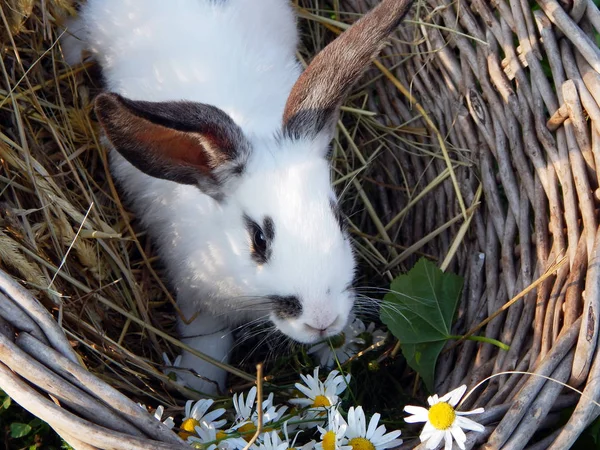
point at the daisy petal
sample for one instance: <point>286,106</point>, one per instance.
<point>459,436</point>
<point>468,413</point>
<point>429,427</point>
<point>453,397</point>
<point>200,408</point>
<point>434,440</point>
<point>448,440</point>
<point>188,408</point>
<point>373,425</point>
<point>389,437</point>
<point>395,443</point>
<point>468,424</point>
<point>419,414</point>
<point>432,400</point>
<point>426,436</point>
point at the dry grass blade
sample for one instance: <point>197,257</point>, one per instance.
<point>434,129</point>
<point>549,272</point>
<point>259,406</point>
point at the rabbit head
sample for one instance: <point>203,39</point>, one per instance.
<point>271,240</point>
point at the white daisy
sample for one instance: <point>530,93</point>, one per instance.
<point>170,369</point>
<point>196,414</point>
<point>158,416</point>
<point>346,344</point>
<point>442,421</point>
<point>360,437</point>
<point>333,436</point>
<point>246,417</point>
<point>221,440</point>
<point>271,412</point>
<point>319,394</point>
<point>271,441</point>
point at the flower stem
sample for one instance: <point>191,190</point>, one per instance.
<point>487,340</point>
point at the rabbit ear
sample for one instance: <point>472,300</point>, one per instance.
<point>313,104</point>
<point>185,142</point>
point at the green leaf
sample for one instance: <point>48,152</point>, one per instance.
<point>66,446</point>
<point>6,403</point>
<point>422,303</point>
<point>419,311</point>
<point>18,430</point>
<point>36,422</point>
<point>422,358</point>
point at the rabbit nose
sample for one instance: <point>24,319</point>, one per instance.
<point>319,328</point>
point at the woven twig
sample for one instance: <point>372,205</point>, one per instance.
<point>531,135</point>
<point>101,416</point>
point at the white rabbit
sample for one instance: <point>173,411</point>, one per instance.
<point>221,149</point>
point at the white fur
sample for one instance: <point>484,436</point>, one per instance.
<point>238,55</point>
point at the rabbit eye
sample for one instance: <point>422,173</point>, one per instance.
<point>260,239</point>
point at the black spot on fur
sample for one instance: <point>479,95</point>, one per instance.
<point>337,213</point>
<point>287,307</point>
<point>269,228</point>
<point>238,170</point>
<point>309,122</point>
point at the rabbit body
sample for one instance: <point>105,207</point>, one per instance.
<point>219,142</point>
<point>238,55</point>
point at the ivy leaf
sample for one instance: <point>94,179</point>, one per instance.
<point>419,311</point>
<point>18,430</point>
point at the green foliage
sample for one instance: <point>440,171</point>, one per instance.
<point>22,430</point>
<point>19,430</point>
<point>419,311</point>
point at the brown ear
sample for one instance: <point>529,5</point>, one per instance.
<point>313,104</point>
<point>185,142</point>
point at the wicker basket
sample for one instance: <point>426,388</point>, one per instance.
<point>85,411</point>
<point>485,146</point>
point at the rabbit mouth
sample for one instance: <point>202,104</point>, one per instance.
<point>307,332</point>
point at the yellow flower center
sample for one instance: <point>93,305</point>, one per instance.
<point>441,416</point>
<point>321,401</point>
<point>247,430</point>
<point>360,443</point>
<point>189,425</point>
<point>329,441</point>
<point>221,435</point>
